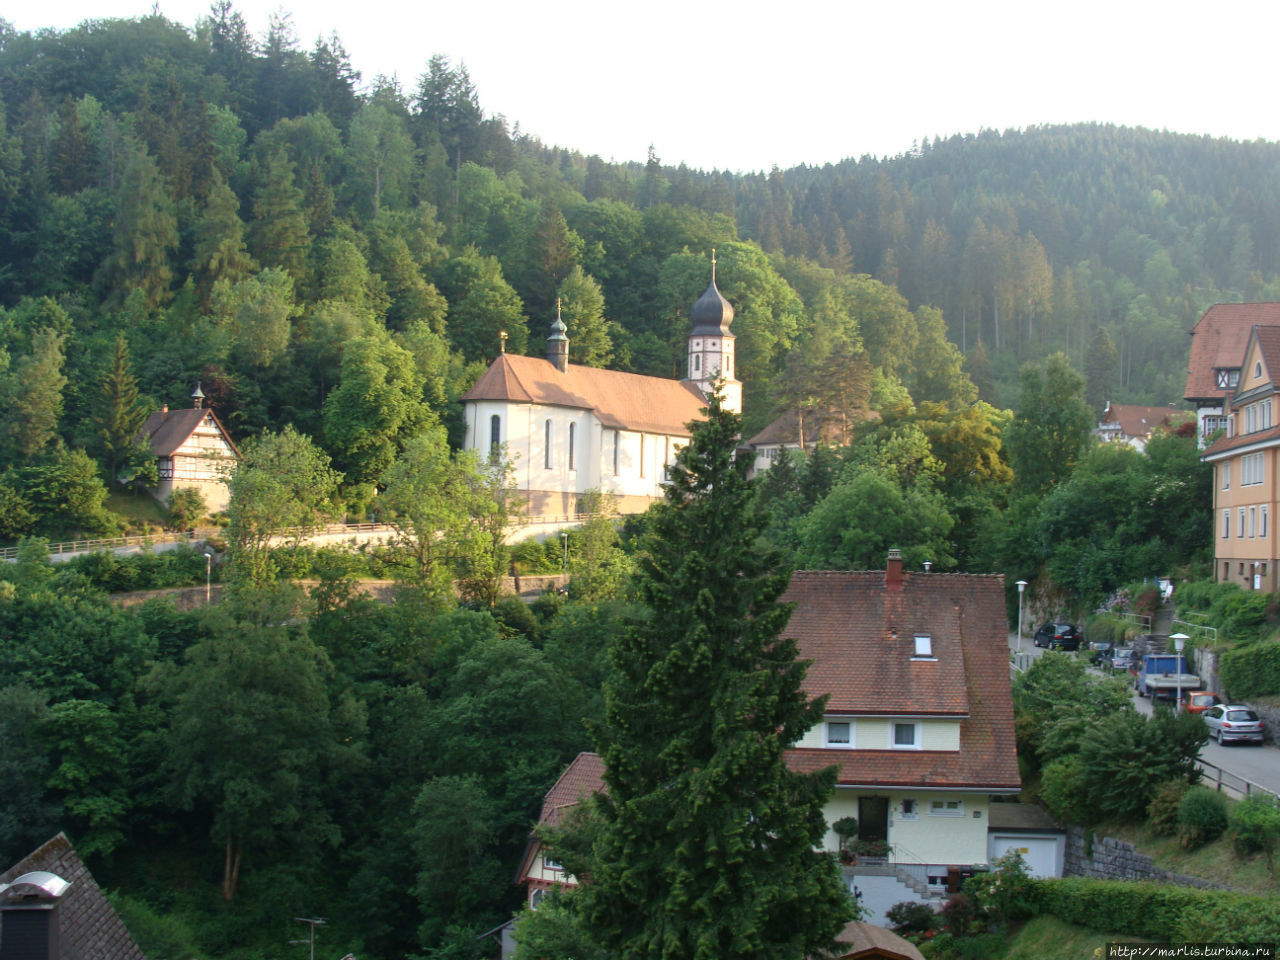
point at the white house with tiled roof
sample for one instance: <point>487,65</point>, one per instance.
<point>919,717</point>
<point>1133,425</point>
<point>569,428</point>
<point>192,449</point>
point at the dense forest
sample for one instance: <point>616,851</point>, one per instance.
<point>332,258</point>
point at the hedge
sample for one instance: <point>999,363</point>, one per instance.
<point>1251,671</point>
<point>1157,911</point>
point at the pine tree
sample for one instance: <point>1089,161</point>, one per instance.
<point>120,414</point>
<point>707,842</point>
<point>279,235</point>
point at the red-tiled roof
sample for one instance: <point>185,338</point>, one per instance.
<point>1136,421</point>
<point>624,401</point>
<point>169,429</point>
<point>89,926</point>
<point>1218,340</point>
<point>1225,444</point>
<point>581,778</point>
<point>859,635</point>
<point>1269,347</point>
<point>785,429</point>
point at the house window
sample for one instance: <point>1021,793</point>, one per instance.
<point>572,434</point>
<point>946,808</point>
<point>617,440</point>
<point>909,809</point>
<point>906,736</point>
<point>1257,369</point>
<point>546,444</point>
<point>495,432</point>
<point>1262,522</point>
<point>1253,522</point>
<point>552,864</point>
<point>840,734</point>
<point>1226,524</point>
<point>1240,535</point>
<point>536,897</point>
<point>1251,469</point>
<point>924,645</point>
<point>1225,470</point>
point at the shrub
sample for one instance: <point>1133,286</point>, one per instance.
<point>1202,817</point>
<point>1162,811</point>
<point>1251,671</point>
<point>1005,893</point>
<point>958,914</point>
<point>911,917</point>
<point>1255,825</point>
<point>1147,602</point>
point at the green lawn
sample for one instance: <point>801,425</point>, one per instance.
<point>140,512</point>
<point>1215,861</point>
<point>1046,938</point>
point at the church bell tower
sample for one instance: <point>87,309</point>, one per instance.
<point>711,346</point>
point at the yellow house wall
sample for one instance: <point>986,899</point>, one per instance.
<point>875,734</point>
<point>958,840</point>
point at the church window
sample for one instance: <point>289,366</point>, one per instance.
<point>728,365</point>
<point>697,363</point>
<point>642,456</point>
<point>546,443</point>
<point>617,441</point>
<point>495,432</point>
<point>572,462</point>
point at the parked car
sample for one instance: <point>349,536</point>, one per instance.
<point>1123,659</point>
<point>1233,721</point>
<point>1058,636</point>
<point>1198,701</point>
<point>1102,652</point>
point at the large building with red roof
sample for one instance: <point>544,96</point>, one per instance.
<point>569,429</point>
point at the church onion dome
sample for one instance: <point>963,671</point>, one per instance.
<point>558,329</point>
<point>711,314</point>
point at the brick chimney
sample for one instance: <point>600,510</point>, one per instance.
<point>29,921</point>
<point>893,570</point>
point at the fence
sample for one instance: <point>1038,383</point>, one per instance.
<point>1198,632</point>
<point>111,543</point>
<point>1226,782</point>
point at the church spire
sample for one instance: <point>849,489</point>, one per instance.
<point>711,345</point>
<point>558,343</point>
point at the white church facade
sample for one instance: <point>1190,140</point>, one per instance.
<point>569,429</point>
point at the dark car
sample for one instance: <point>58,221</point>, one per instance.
<point>1058,636</point>
<point>1102,653</point>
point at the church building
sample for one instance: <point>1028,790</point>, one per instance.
<point>569,429</point>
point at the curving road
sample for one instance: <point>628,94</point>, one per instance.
<point>1257,763</point>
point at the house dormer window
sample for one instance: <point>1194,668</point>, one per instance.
<point>905,735</point>
<point>924,646</point>
<point>840,734</point>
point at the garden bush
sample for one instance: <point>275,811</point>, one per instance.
<point>1162,811</point>
<point>1251,671</point>
<point>1202,817</point>
<point>958,914</point>
<point>910,916</point>
<point>1255,826</point>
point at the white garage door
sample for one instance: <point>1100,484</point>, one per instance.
<point>1040,853</point>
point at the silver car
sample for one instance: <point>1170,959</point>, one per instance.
<point>1233,721</point>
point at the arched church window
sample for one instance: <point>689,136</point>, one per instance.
<point>495,432</point>
<point>546,444</point>
<point>572,430</point>
<point>697,363</point>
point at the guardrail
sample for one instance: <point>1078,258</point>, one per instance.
<point>110,543</point>
<point>1225,781</point>
<point>1197,630</point>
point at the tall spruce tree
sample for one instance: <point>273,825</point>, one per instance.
<point>706,849</point>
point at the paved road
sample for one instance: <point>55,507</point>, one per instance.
<point>1260,764</point>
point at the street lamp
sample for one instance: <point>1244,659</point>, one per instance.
<point>1022,586</point>
<point>1179,643</point>
<point>208,574</point>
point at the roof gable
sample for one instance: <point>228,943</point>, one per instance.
<point>624,401</point>
<point>1218,340</point>
<point>859,636</point>
<point>1261,360</point>
<point>167,430</point>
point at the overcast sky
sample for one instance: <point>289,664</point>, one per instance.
<point>747,85</point>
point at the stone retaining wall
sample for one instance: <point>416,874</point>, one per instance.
<point>1117,860</point>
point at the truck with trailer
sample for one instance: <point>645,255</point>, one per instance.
<point>1162,675</point>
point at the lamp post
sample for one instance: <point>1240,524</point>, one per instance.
<point>564,558</point>
<point>208,575</point>
<point>1022,586</point>
<point>1179,644</point>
